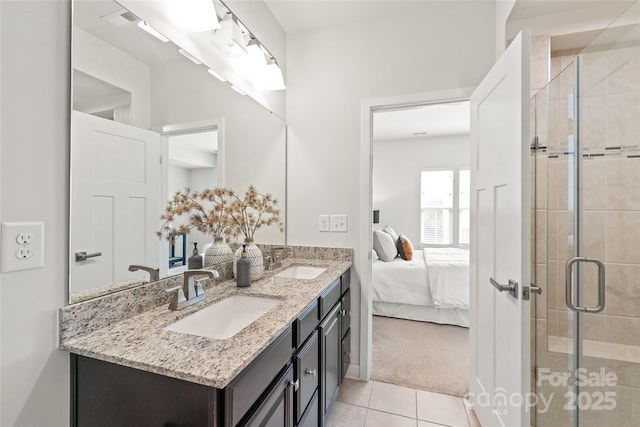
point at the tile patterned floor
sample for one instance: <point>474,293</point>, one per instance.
<point>376,404</point>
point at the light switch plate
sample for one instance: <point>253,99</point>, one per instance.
<point>339,223</point>
<point>323,223</point>
<point>22,246</point>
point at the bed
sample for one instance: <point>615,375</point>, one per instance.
<point>433,286</point>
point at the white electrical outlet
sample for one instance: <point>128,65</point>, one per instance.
<point>323,223</point>
<point>22,246</point>
<point>339,223</point>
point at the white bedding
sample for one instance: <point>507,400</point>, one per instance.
<point>435,277</point>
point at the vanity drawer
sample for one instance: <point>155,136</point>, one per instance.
<point>345,357</point>
<point>329,298</point>
<point>306,365</point>
<point>305,324</point>
<point>245,389</point>
<point>345,281</point>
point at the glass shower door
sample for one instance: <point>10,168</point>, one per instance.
<point>588,235</point>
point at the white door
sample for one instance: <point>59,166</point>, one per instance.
<point>115,201</point>
<point>500,322</point>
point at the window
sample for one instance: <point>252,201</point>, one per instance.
<point>444,204</point>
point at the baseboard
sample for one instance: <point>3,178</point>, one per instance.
<point>353,372</point>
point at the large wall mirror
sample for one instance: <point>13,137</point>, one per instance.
<point>147,122</point>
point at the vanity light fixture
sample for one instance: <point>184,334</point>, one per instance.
<point>189,56</point>
<point>272,76</point>
<point>216,75</point>
<point>197,15</point>
<point>229,38</point>
<point>149,29</point>
<point>238,90</point>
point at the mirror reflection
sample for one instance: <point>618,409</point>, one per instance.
<point>146,123</point>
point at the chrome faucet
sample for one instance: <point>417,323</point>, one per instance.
<point>154,273</point>
<point>191,290</point>
<point>276,255</point>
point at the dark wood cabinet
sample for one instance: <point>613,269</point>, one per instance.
<point>306,374</point>
<point>330,366</point>
<point>293,383</point>
<point>275,408</point>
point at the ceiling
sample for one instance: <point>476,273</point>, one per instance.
<point>423,121</point>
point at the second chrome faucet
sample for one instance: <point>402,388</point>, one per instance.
<point>191,290</point>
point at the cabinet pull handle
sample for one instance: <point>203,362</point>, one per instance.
<point>295,384</point>
<point>310,372</point>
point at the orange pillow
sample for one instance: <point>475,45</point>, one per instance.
<point>405,248</point>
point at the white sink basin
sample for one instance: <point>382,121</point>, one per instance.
<point>306,272</point>
<point>225,318</point>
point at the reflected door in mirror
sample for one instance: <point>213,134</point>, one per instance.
<point>115,200</point>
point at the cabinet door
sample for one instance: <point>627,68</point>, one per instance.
<point>346,354</point>
<point>306,374</point>
<point>346,312</point>
<point>276,408</point>
<point>330,340</point>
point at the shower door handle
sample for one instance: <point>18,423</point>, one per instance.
<point>568,277</point>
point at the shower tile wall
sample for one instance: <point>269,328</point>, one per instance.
<point>610,111</point>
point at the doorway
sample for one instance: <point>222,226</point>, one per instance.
<point>370,109</point>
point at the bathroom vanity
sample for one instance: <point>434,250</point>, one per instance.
<point>285,368</point>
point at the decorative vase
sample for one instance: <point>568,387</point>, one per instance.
<point>255,256</point>
<point>218,253</point>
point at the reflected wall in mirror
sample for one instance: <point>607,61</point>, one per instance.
<point>148,122</point>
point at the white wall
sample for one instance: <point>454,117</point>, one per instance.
<point>254,139</point>
<point>503,9</point>
<point>34,141</point>
<point>99,59</point>
<point>396,176</point>
<point>434,46</point>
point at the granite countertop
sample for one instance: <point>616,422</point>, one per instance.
<point>141,342</point>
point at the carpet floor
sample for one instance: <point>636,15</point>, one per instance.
<point>421,355</point>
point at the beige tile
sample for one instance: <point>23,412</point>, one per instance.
<point>623,330</point>
<point>541,282</point>
<point>622,122</point>
<point>441,409</point>
<point>552,233</point>
<point>393,399</point>
<point>384,419</point>
<point>620,416</point>
<point>593,122</point>
<point>593,72</point>
<point>345,415</point>
<point>552,184</point>
<point>593,234</point>
<point>594,326</point>
<point>566,237</point>
<point>355,392</point>
<point>589,290</point>
<point>541,236</point>
<point>551,290</point>
<point>623,289</point>
<point>473,418</point>
<point>623,70</point>
<point>540,57</point>
<point>622,243</point>
<point>427,424</point>
<point>542,173</point>
<point>594,179</point>
<point>623,184</point>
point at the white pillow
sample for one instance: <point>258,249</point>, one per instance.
<point>384,245</point>
<point>374,255</point>
<point>391,232</point>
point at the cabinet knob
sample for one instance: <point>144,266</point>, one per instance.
<point>295,384</point>
<point>310,372</point>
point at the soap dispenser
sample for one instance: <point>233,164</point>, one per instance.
<point>243,276</point>
<point>195,260</point>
